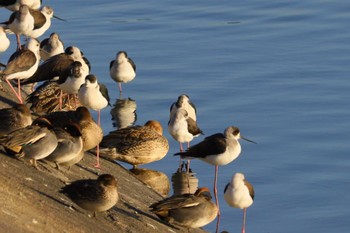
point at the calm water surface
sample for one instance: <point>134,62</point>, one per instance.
<point>279,71</point>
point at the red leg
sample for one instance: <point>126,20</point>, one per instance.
<point>97,165</point>
<point>216,198</point>
<point>98,146</point>
<point>14,91</point>
<point>181,150</point>
<point>244,218</point>
<point>215,188</point>
<point>19,90</point>
<point>120,87</point>
<point>19,46</point>
<point>60,100</point>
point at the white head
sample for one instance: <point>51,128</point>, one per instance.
<point>122,56</point>
<point>33,45</point>
<point>48,11</point>
<point>237,180</point>
<point>232,132</point>
<point>182,99</point>
<point>74,52</point>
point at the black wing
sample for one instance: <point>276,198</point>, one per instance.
<point>212,145</point>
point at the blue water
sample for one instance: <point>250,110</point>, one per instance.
<point>277,70</point>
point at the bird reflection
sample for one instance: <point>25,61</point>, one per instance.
<point>124,112</point>
<point>183,181</point>
<point>157,180</point>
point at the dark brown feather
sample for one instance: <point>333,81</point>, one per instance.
<point>212,145</point>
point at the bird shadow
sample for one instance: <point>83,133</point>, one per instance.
<point>7,100</point>
<point>50,197</point>
<point>145,214</point>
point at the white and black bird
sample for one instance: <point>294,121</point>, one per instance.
<point>57,64</point>
<point>124,113</point>
<point>51,46</point>
<point>183,128</point>
<point>217,149</point>
<point>93,95</point>
<point>4,40</point>
<point>21,22</point>
<point>42,21</point>
<point>184,102</point>
<point>122,69</point>
<point>239,193</point>
<point>13,5</point>
<point>22,65</point>
<point>71,80</point>
<point>177,118</point>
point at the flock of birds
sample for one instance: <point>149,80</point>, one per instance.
<point>62,136</point>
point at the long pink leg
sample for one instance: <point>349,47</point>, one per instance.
<point>181,150</point>
<point>17,95</point>
<point>60,100</point>
<point>244,218</point>
<point>120,87</point>
<point>19,91</point>
<point>19,46</point>
<point>215,188</point>
<point>216,197</point>
<point>188,161</point>
<point>98,146</point>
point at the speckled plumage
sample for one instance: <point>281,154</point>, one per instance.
<point>94,195</point>
<point>188,210</point>
<point>14,118</point>
<point>138,144</point>
<point>45,98</point>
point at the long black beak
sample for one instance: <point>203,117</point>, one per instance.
<point>56,17</point>
<point>248,140</point>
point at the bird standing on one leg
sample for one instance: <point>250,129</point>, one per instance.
<point>22,65</point>
<point>21,22</point>
<point>184,102</point>
<point>217,149</point>
<point>122,69</point>
<point>239,193</point>
<point>94,96</point>
<point>183,128</point>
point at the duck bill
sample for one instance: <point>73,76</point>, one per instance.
<point>248,140</point>
<point>56,17</point>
